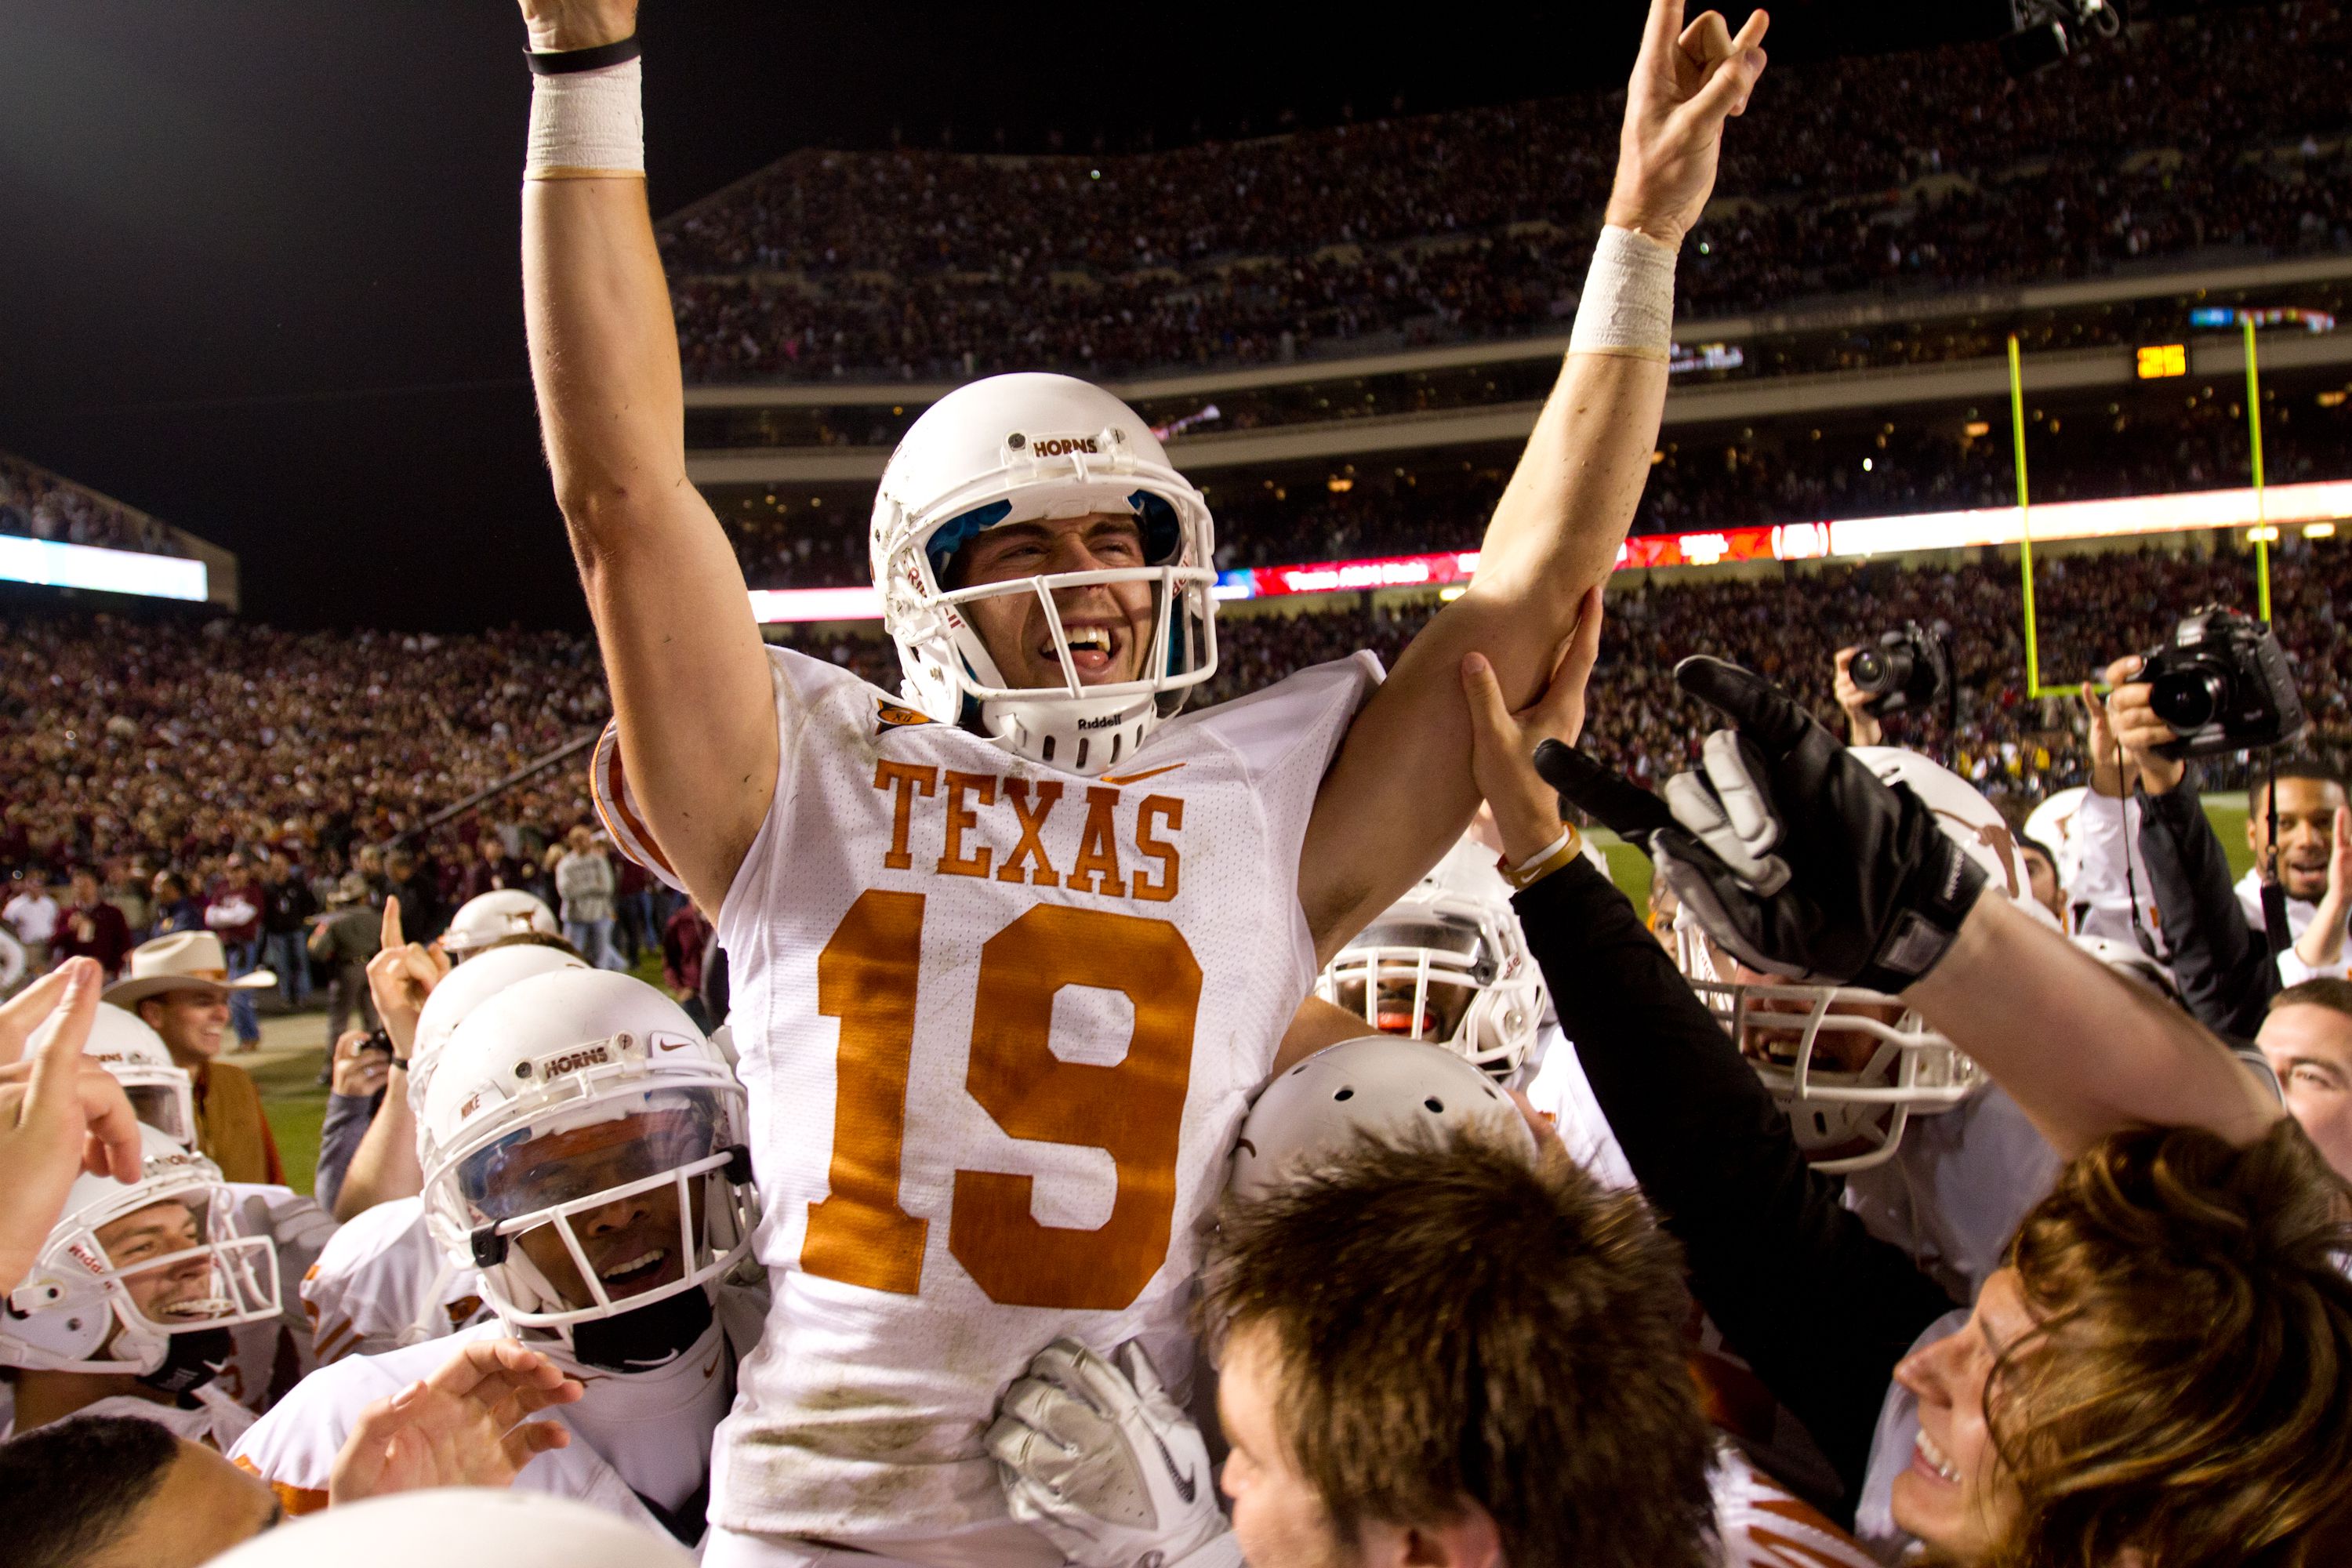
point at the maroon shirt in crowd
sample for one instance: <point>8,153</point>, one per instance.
<point>94,931</point>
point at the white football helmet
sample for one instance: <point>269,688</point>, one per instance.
<point>130,1264</point>
<point>461,991</point>
<point>2133,965</point>
<point>1379,1084</point>
<point>1448,963</point>
<point>555,1104</point>
<point>486,917</point>
<point>1851,1067</point>
<point>515,1529</point>
<point>2052,823</point>
<point>1017,449</point>
<point>159,1093</point>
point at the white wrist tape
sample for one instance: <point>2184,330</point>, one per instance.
<point>1628,307</point>
<point>587,124</point>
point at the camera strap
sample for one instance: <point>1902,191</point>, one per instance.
<point>2274,923</point>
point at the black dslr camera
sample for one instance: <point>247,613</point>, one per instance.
<point>1904,670</point>
<point>2221,682</point>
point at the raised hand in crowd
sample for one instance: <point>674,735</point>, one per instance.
<point>400,976</point>
<point>1801,863</point>
<point>468,1425</point>
<point>60,1113</point>
<point>2139,731</point>
<point>2321,946</point>
<point>358,1070</point>
<point>1862,726</point>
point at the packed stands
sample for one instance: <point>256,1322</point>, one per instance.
<point>137,746</point>
<point>37,504</point>
<point>1901,174</point>
<point>2088,449</point>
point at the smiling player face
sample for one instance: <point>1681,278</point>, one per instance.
<point>631,1243</point>
<point>172,1293</point>
<point>1108,625</point>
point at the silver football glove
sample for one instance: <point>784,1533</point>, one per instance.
<point>1097,1459</point>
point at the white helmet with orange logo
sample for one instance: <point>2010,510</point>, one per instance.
<point>491,917</point>
<point>584,1149</point>
<point>1021,448</point>
<point>130,1268</point>
<point>1851,1067</point>
<point>1448,963</point>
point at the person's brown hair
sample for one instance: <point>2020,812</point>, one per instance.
<point>2333,994</point>
<point>1451,1321</point>
<point>2185,1393</point>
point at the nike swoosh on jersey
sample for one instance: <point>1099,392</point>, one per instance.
<point>1138,778</point>
<point>1186,1485</point>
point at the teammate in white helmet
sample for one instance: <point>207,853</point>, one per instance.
<point>128,1309</point>
<point>383,1282</point>
<point>487,919</point>
<point>584,1153</point>
<point>1009,948</point>
<point>513,1528</point>
<point>267,1355</point>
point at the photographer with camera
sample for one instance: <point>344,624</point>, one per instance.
<point>2221,684</point>
<point>1903,672</point>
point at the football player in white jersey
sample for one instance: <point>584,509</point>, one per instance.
<point>1448,963</point>
<point>128,1309</point>
<point>268,1356</point>
<point>584,1153</point>
<point>383,1282</point>
<point>1010,949</point>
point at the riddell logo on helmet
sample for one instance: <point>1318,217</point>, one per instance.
<point>1063,446</point>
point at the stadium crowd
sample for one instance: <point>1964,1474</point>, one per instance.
<point>1921,172</point>
<point>1700,480</point>
<point>37,504</point>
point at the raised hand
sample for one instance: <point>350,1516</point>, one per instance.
<point>1792,852</point>
<point>1862,726</point>
<point>400,977</point>
<point>60,1114</point>
<point>1686,82</point>
<point>1527,809</point>
<point>466,1426</point>
<point>578,24</point>
<point>2142,735</point>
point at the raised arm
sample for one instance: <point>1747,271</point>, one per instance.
<point>682,652</point>
<point>1800,863</point>
<point>1400,791</point>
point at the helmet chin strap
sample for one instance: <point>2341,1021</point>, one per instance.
<point>645,1338</point>
<point>190,1361</point>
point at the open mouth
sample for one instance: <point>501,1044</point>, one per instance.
<point>194,1309</point>
<point>634,1271</point>
<point>1933,1458</point>
<point>1094,649</point>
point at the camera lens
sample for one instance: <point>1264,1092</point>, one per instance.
<point>1880,669</point>
<point>2186,699</point>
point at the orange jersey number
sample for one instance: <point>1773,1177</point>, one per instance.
<point>1134,1111</point>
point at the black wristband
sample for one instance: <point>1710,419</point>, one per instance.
<point>400,1062</point>
<point>566,62</point>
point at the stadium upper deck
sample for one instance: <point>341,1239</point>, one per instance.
<point>2184,144</point>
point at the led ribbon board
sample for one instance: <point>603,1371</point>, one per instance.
<point>55,565</point>
<point>2323,503</point>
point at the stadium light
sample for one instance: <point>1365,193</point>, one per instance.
<point>55,565</point>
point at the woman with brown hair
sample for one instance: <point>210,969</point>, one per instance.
<point>2161,1374</point>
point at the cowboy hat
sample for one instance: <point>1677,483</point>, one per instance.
<point>185,960</point>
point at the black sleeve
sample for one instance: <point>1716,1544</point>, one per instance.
<point>2224,967</point>
<point>1817,1305</point>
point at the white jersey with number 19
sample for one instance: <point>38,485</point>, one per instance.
<point>999,1024</point>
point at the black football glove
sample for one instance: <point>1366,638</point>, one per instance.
<point>1789,850</point>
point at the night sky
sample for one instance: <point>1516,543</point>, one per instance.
<point>258,275</point>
